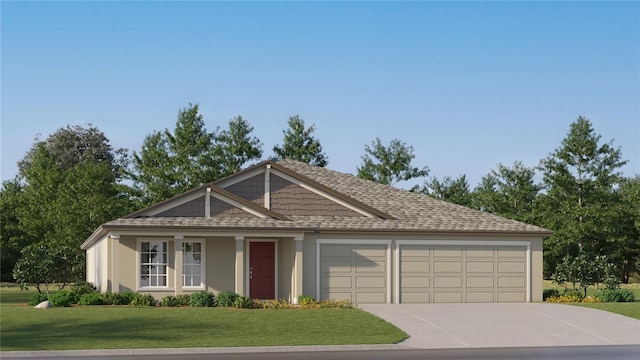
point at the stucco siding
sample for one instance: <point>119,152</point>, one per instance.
<point>286,270</point>
<point>128,262</point>
<point>220,265</point>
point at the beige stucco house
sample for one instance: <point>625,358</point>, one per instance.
<point>284,229</point>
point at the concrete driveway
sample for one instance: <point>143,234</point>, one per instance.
<point>439,326</point>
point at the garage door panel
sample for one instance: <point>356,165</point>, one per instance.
<point>480,267</point>
<point>336,266</point>
<point>511,282</point>
<point>447,251</point>
<point>447,297</point>
<point>345,282</point>
<point>447,267</point>
<point>414,251</point>
<point>512,252</point>
<point>368,251</point>
<point>480,297</point>
<point>511,267</point>
<point>415,282</point>
<point>414,267</point>
<point>371,297</point>
<point>415,297</point>
<point>363,266</point>
<point>336,295</point>
<point>511,296</point>
<point>335,250</point>
<point>370,282</point>
<point>481,282</point>
<point>447,282</point>
<point>480,252</point>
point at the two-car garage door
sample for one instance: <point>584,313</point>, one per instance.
<point>424,272</point>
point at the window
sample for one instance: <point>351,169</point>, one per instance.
<point>192,264</point>
<point>153,264</point>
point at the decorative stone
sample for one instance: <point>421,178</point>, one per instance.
<point>43,305</point>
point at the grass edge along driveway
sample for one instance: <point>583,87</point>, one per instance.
<point>126,327</point>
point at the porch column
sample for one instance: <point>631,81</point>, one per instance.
<point>177,272</point>
<point>115,263</point>
<point>297,268</point>
<point>240,265</point>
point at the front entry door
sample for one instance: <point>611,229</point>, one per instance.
<point>262,260</point>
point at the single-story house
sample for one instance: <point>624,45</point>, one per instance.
<point>286,228</point>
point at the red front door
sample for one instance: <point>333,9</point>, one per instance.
<point>262,261</point>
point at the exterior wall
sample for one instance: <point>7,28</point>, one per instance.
<point>286,268</point>
<point>220,266</point>
<point>193,208</point>
<point>290,199</point>
<point>220,208</point>
<point>96,268</point>
<point>537,281</point>
<point>128,260</point>
<point>251,189</point>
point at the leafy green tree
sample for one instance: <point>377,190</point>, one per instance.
<point>170,163</point>
<point>583,270</point>
<point>299,144</point>
<point>389,164</point>
<point>623,244</point>
<point>48,264</point>
<point>452,190</point>
<point>235,146</point>
<point>508,191</point>
<point>12,238</point>
<point>579,179</point>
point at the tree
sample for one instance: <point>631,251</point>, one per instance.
<point>48,264</point>
<point>389,165</point>
<point>452,190</point>
<point>508,191</point>
<point>623,244</point>
<point>12,238</point>
<point>235,147</point>
<point>173,162</point>
<point>300,145</point>
<point>579,179</point>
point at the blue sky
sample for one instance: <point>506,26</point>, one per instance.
<point>467,84</point>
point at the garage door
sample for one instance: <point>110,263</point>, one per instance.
<point>355,272</point>
<point>464,273</point>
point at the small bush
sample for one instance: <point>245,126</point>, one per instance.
<point>574,293</point>
<point>276,304</point>
<point>63,298</point>
<point>143,300</point>
<point>243,302</point>
<point>83,287</point>
<point>547,293</point>
<point>183,300</point>
<point>37,298</point>
<point>91,299</point>
<point>169,301</point>
<point>202,299</point>
<point>126,298</point>
<point>110,298</point>
<point>616,295</point>
<point>227,298</point>
<point>305,300</point>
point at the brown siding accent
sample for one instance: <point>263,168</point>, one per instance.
<point>193,208</point>
<point>220,208</point>
<point>290,199</point>
<point>251,189</point>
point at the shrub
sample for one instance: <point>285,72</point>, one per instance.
<point>183,300</point>
<point>564,299</point>
<point>37,298</point>
<point>227,298</point>
<point>305,300</point>
<point>63,298</point>
<point>574,293</point>
<point>126,298</point>
<point>616,295</point>
<point>276,304</point>
<point>169,301</point>
<point>83,287</point>
<point>110,298</point>
<point>143,300</point>
<point>202,299</point>
<point>243,302</point>
<point>547,293</point>
<point>91,299</point>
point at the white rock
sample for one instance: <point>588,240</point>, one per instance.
<point>43,305</point>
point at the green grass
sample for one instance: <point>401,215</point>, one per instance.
<point>124,327</point>
<point>626,309</point>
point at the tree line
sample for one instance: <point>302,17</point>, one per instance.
<point>74,180</point>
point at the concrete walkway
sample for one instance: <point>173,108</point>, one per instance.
<point>439,326</point>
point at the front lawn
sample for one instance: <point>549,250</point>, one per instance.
<point>126,327</point>
<point>627,309</point>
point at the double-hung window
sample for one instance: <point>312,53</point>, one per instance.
<point>192,264</point>
<point>153,264</point>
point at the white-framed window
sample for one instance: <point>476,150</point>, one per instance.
<point>154,261</point>
<point>192,263</point>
